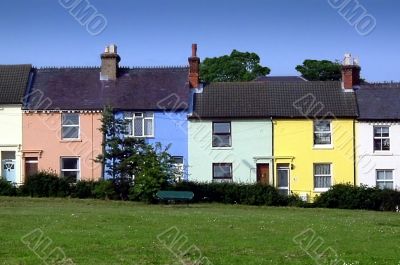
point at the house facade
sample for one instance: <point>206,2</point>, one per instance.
<point>295,135</point>
<point>377,136</point>
<point>230,135</point>
<point>61,123</point>
<point>14,80</point>
<point>154,102</point>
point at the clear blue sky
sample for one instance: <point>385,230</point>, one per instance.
<point>160,32</point>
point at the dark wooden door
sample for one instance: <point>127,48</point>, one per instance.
<point>31,167</point>
<point>263,174</point>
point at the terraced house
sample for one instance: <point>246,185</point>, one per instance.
<point>296,135</point>
<point>14,80</point>
<point>378,135</point>
<point>63,109</point>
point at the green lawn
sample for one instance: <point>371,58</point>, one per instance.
<point>109,232</point>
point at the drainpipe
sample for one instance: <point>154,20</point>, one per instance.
<point>354,153</point>
<point>273,153</point>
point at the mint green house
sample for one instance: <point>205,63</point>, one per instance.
<point>227,141</point>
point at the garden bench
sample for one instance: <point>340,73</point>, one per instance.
<point>182,196</point>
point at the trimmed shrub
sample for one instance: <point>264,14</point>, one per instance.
<point>104,189</point>
<point>234,193</point>
<point>346,196</point>
<point>42,184</point>
<point>7,188</point>
<point>83,189</point>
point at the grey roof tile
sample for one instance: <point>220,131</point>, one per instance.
<point>13,83</point>
<point>275,99</point>
<point>135,89</point>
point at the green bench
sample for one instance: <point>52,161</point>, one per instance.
<point>175,196</point>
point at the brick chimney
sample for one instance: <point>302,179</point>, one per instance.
<point>350,72</point>
<point>109,63</point>
<point>194,68</point>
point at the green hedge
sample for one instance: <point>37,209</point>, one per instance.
<point>48,184</point>
<point>7,189</point>
<point>233,193</point>
<point>345,196</point>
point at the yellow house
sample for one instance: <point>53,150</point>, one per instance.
<point>312,155</point>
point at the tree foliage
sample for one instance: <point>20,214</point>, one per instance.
<point>238,66</point>
<point>132,161</point>
<point>324,70</point>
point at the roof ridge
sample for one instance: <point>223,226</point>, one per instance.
<point>65,67</point>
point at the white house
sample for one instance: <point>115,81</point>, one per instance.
<point>378,136</point>
<point>14,80</point>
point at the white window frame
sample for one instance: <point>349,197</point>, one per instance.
<point>71,170</point>
<point>330,145</point>
<point>131,116</point>
<point>217,179</point>
<point>384,180</point>
<point>71,125</point>
<point>322,175</point>
<point>380,138</point>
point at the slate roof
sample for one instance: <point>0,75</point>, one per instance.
<point>13,83</point>
<point>135,89</point>
<point>281,78</point>
<point>379,101</point>
<point>275,99</point>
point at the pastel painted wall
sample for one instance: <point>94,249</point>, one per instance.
<point>294,145</point>
<point>251,144</point>
<point>170,128</point>
<point>368,160</point>
<point>11,135</point>
<point>42,139</point>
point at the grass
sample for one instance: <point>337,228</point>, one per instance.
<point>110,232</point>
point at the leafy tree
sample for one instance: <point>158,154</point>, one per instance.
<point>131,161</point>
<point>324,70</point>
<point>238,66</point>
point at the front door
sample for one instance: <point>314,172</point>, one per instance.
<point>8,169</point>
<point>263,174</point>
<point>31,167</point>
<point>283,179</point>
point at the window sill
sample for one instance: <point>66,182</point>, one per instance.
<point>320,190</point>
<point>70,140</point>
<point>140,137</point>
<point>323,147</point>
<point>383,153</point>
<point>221,148</point>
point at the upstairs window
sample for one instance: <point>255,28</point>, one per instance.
<point>70,126</point>
<point>221,134</point>
<point>384,179</point>
<point>381,138</point>
<point>140,124</point>
<point>322,133</point>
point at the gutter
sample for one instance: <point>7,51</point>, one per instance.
<point>273,152</point>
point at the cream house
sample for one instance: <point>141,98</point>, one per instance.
<point>14,80</point>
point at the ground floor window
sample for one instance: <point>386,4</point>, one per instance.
<point>222,172</point>
<point>322,176</point>
<point>384,179</point>
<point>70,168</point>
